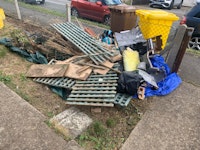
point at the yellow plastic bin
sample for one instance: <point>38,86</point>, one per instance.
<point>2,17</point>
<point>123,17</point>
<point>153,23</point>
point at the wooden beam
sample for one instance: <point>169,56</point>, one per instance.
<point>176,46</point>
<point>182,49</point>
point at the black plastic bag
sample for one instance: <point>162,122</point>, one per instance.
<point>128,82</point>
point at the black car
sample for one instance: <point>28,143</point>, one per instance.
<point>192,19</point>
<point>34,1</point>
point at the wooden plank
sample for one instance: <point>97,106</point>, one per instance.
<point>41,70</point>
<point>182,49</point>
<point>176,45</point>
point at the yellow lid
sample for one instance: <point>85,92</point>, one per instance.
<point>156,14</point>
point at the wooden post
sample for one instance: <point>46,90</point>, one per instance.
<point>18,11</point>
<point>68,11</point>
<point>173,52</point>
<point>182,49</point>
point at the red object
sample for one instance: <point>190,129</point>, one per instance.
<point>90,32</point>
<point>92,9</point>
<point>183,21</point>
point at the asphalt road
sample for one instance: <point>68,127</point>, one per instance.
<point>58,5</point>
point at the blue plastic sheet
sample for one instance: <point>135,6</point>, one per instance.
<point>159,62</point>
<point>168,84</point>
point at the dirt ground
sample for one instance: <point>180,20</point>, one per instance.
<point>14,67</point>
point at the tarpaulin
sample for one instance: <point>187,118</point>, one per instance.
<point>37,57</point>
<point>159,62</point>
<point>168,84</point>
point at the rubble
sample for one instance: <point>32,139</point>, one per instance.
<point>91,72</point>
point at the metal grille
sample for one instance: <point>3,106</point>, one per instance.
<point>90,103</point>
<point>122,99</point>
<point>84,42</point>
<point>98,90</point>
<point>119,99</point>
<point>57,82</point>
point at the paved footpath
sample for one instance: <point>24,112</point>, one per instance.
<point>171,123</point>
<point>22,127</point>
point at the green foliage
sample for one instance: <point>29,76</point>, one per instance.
<point>19,37</point>
<point>111,122</point>
<point>48,123</point>
<point>50,114</point>
<point>98,129</point>
<point>5,78</point>
<point>97,134</point>
<point>23,77</point>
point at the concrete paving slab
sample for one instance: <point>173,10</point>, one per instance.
<point>190,69</point>
<point>22,127</point>
<point>71,122</point>
<point>171,123</point>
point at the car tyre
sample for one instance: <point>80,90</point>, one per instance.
<point>74,12</point>
<point>194,43</point>
<point>107,20</point>
<point>171,5</point>
<point>180,5</point>
<point>151,6</point>
<point>42,2</point>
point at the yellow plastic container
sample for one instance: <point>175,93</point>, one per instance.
<point>155,22</point>
<point>2,17</point>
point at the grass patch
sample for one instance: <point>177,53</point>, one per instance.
<point>94,23</point>
<point>97,137</point>
<point>102,135</point>
<point>98,129</point>
<point>23,77</point>
<point>50,114</point>
<point>111,122</point>
<point>3,52</point>
<point>23,95</point>
<point>5,78</point>
<point>194,52</point>
<point>49,124</point>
